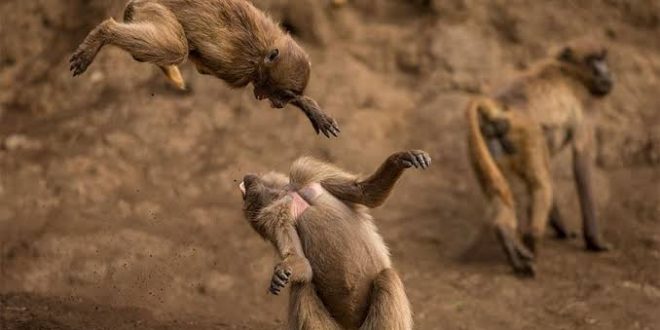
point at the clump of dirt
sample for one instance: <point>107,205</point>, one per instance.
<point>118,199</point>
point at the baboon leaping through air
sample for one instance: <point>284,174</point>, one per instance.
<point>338,265</point>
<point>518,130</point>
<point>229,39</point>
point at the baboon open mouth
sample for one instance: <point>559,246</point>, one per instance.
<point>276,104</point>
<point>260,93</point>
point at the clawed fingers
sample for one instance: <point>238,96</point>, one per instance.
<point>274,290</point>
<point>328,127</point>
<point>424,159</point>
<point>418,159</point>
<point>415,161</point>
<point>407,163</point>
<point>334,128</point>
<point>77,63</point>
<point>279,281</point>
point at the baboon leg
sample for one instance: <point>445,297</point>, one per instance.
<point>306,310</point>
<point>152,34</point>
<point>590,231</point>
<point>520,258</point>
<point>557,223</point>
<point>539,183</point>
<point>389,307</point>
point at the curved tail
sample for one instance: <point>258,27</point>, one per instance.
<point>491,177</point>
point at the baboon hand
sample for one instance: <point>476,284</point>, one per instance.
<point>325,124</point>
<point>416,158</point>
<point>293,268</point>
<point>280,279</point>
<point>321,122</point>
<point>80,60</point>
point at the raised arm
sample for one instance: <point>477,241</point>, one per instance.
<point>375,189</point>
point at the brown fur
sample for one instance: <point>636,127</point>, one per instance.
<point>338,264</point>
<point>230,39</point>
<point>520,128</point>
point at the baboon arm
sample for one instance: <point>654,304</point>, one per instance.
<point>371,191</point>
<point>374,190</point>
<point>282,229</point>
<point>278,226</point>
<point>287,243</point>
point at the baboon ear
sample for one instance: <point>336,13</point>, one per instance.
<point>272,56</point>
<point>566,54</point>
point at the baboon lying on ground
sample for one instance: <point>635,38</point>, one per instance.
<point>517,131</point>
<point>230,39</point>
<point>338,265</point>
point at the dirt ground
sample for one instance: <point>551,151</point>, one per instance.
<point>119,206</point>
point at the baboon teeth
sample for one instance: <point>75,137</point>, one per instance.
<point>242,188</point>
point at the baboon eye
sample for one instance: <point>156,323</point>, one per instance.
<point>272,56</point>
<point>566,54</point>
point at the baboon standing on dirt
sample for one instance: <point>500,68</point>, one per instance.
<point>339,267</point>
<point>518,130</point>
<point>230,39</point>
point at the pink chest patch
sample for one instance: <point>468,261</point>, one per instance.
<point>301,199</point>
<point>298,204</point>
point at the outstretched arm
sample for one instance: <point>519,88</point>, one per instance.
<point>374,190</point>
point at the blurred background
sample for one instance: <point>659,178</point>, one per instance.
<point>119,206</point>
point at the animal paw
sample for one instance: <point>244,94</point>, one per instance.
<point>526,269</point>
<point>597,245</point>
<point>280,279</point>
<point>80,60</point>
<point>325,124</point>
<point>416,158</point>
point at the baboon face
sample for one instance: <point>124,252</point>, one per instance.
<point>589,63</point>
<point>284,73</point>
<point>260,191</point>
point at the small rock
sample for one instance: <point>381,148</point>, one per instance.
<point>96,76</point>
<point>217,283</point>
<point>20,142</point>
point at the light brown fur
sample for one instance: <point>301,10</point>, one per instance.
<point>229,39</point>
<point>520,128</point>
<point>332,254</point>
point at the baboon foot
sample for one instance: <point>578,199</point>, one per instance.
<point>565,235</point>
<point>520,258</point>
<point>597,245</point>
<point>525,269</point>
<point>530,242</point>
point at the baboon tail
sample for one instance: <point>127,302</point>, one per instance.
<point>491,176</point>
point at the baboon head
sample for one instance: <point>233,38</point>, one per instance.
<point>587,62</point>
<point>283,73</point>
<point>260,191</point>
